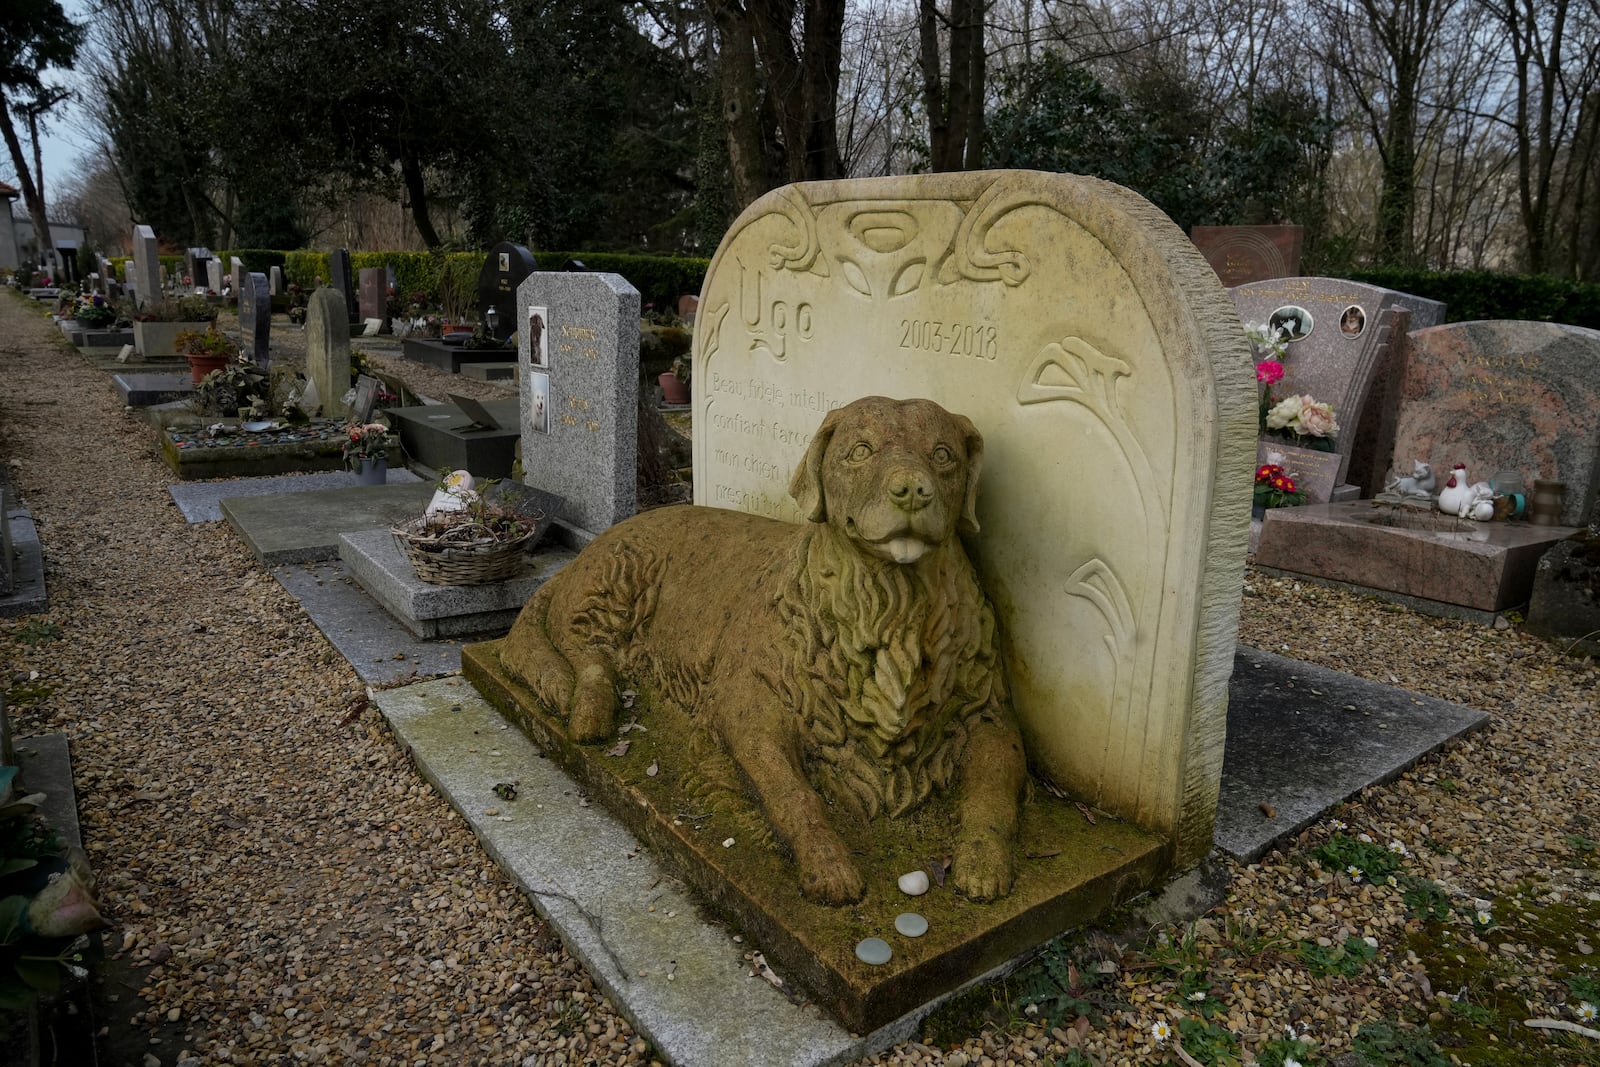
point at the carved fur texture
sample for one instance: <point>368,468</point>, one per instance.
<point>849,663</point>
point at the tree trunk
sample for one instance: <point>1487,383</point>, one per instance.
<point>953,101</point>
<point>740,85</point>
<point>32,191</point>
<point>417,194</point>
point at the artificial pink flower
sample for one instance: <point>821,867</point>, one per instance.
<point>1269,371</point>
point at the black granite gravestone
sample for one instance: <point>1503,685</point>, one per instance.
<point>505,269</point>
<point>194,265</point>
<point>344,281</point>
<point>255,316</point>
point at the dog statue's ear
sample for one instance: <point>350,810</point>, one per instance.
<point>806,485</point>
<point>974,441</point>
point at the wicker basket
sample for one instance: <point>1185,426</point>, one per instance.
<point>454,557</point>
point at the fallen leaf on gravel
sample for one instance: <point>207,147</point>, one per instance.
<point>632,724</point>
<point>621,749</point>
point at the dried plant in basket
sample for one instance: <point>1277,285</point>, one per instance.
<point>484,541</point>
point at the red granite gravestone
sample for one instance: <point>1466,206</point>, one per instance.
<point>374,293</point>
<point>1241,254</point>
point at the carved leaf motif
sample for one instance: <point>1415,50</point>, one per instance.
<point>856,278</point>
<point>974,260</point>
<point>802,255</point>
<point>1097,583</point>
<point>908,279</point>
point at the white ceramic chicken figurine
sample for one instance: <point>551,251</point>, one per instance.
<point>1456,491</point>
<point>454,495</point>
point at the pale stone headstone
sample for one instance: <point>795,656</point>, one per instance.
<point>374,294</point>
<point>1243,254</point>
<point>328,349</point>
<point>146,280</point>
<point>579,415</point>
<point>255,317</point>
<point>1097,354</point>
<point>236,273</point>
<point>275,280</point>
<point>344,282</point>
<point>214,275</point>
<point>1505,396</point>
<point>1345,358</point>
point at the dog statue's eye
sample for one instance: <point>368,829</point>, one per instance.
<point>943,456</point>
<point>859,453</point>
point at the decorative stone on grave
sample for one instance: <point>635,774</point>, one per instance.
<point>255,317</point>
<point>1097,356</point>
<point>374,294</point>
<point>146,280</point>
<point>580,393</point>
<point>1519,397</point>
<point>328,349</point>
<point>1505,396</point>
<point>504,270</point>
<point>1345,357</point>
<point>344,282</point>
<point>214,275</point>
<point>1244,254</point>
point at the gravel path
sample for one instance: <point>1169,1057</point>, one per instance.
<point>289,890</point>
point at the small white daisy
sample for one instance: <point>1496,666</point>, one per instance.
<point>1160,1030</point>
<point>1394,883</point>
<point>1354,872</point>
<point>1290,1061</point>
<point>1399,848</point>
<point>1337,825</point>
<point>1484,917</point>
<point>1197,995</point>
<point>1587,1012</point>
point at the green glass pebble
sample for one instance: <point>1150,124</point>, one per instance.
<point>911,924</point>
<point>874,950</point>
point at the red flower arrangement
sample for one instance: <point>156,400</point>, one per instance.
<point>1276,488</point>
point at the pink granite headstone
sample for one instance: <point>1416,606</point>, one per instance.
<point>1505,396</point>
<point>1243,254</point>
<point>1342,349</point>
<point>374,293</point>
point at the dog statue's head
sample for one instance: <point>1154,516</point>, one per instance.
<point>897,477</point>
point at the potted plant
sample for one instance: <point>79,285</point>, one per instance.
<point>366,452</point>
<point>1275,488</point>
<point>675,382</point>
<point>238,386</point>
<point>206,352</point>
<point>156,326</point>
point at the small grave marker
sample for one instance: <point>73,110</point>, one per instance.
<point>255,317</point>
<point>1242,254</point>
<point>579,413</point>
<point>343,282</point>
<point>146,280</point>
<point>504,271</point>
<point>328,349</point>
<point>374,297</point>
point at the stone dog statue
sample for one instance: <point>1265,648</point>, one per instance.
<point>852,657</point>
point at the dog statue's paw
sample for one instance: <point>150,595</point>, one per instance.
<point>593,712</point>
<point>982,868</point>
<point>827,874</point>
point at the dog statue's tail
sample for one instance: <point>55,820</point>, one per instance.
<point>529,654</point>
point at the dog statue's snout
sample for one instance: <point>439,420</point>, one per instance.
<point>911,490</point>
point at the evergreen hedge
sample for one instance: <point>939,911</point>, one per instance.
<point>448,278</point>
<point>1471,295</point>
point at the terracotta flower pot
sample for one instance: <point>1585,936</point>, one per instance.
<point>202,364</point>
<point>672,390</point>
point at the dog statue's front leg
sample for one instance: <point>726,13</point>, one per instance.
<point>767,752</point>
<point>992,773</point>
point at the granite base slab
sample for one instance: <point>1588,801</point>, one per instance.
<point>147,390</point>
<point>1413,552</point>
<point>318,446</point>
<point>438,436</point>
<point>86,338</point>
<point>1303,739</point>
<point>202,501</point>
<point>451,358</point>
<point>681,980</point>
<point>489,372</point>
<point>429,610</point>
<point>379,649</point>
<point>1068,870</point>
<point>305,526</point>
<point>27,595</point>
